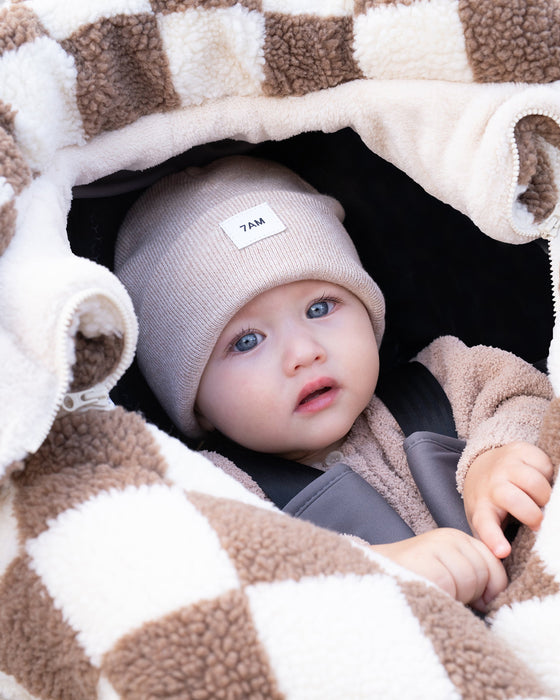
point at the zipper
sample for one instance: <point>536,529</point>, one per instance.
<point>553,349</point>
<point>554,262</point>
<point>550,228</point>
<point>79,401</point>
<point>98,395</point>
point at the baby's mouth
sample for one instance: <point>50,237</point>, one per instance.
<point>314,395</point>
<point>317,395</point>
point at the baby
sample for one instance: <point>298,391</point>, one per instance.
<point>258,321</point>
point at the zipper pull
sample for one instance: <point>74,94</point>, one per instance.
<point>550,228</point>
<point>96,398</point>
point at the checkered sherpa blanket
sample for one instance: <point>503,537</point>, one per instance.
<point>129,566</point>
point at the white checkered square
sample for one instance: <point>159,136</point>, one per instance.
<point>531,629</point>
<point>421,40</point>
<point>320,617</point>
<point>62,18</point>
<point>127,557</point>
<point>214,53</point>
<point>38,81</point>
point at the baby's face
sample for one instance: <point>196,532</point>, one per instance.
<point>291,371</point>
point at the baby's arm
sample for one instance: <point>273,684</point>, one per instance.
<point>460,565</point>
<point>499,402</point>
<point>497,398</point>
<point>513,479</point>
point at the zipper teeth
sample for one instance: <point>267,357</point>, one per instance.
<point>552,264</point>
<point>516,166</point>
<point>61,360</point>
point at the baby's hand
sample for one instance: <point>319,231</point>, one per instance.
<point>512,479</point>
<point>460,565</point>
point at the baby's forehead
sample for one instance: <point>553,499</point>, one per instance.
<point>290,292</point>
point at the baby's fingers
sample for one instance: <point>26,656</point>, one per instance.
<point>468,570</point>
<point>536,458</point>
<point>534,483</point>
<point>497,577</point>
<point>522,506</point>
<point>487,526</point>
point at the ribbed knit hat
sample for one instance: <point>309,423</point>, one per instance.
<point>199,245</point>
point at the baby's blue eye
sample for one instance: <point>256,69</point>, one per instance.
<point>320,308</point>
<point>248,341</point>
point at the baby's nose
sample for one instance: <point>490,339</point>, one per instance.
<point>301,352</point>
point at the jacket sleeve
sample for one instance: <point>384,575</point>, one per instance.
<point>497,397</point>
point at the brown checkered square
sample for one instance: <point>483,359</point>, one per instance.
<point>37,646</point>
<point>79,459</point>
<point>305,53</point>
<point>461,641</point>
<point>96,358</point>
<point>18,25</point>
<point>211,650</point>
<point>536,172</point>
<point>270,547</point>
<point>519,41</point>
<point>123,71</point>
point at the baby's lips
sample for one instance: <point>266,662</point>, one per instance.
<point>315,386</point>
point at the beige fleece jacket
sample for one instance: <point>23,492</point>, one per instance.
<point>496,398</point>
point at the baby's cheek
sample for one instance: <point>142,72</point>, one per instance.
<point>259,425</point>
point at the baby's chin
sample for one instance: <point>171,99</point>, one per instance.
<point>309,449</point>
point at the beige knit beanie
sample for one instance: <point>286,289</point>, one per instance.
<point>199,245</point>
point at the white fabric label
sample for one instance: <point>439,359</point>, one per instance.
<point>252,225</point>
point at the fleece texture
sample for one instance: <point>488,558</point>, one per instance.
<point>131,567</point>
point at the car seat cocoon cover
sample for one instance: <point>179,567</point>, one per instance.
<point>130,567</point>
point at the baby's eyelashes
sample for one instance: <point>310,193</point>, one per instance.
<point>322,307</point>
<point>245,341</point>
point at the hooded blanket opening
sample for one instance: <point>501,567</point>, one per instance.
<point>131,567</point>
